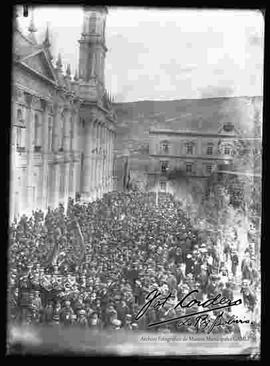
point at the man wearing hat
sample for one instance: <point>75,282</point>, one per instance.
<point>47,316</point>
<point>82,319</point>
<point>235,261</point>
<point>25,300</point>
<point>94,321</point>
<point>127,322</point>
<point>66,314</point>
<point>37,308</point>
<point>115,324</point>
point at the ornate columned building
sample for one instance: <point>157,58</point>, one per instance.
<point>62,127</point>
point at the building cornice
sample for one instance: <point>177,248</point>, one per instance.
<point>33,92</point>
<point>190,157</point>
<point>191,133</point>
<point>36,73</point>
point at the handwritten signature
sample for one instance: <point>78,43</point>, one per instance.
<point>156,301</point>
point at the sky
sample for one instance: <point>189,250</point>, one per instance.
<point>166,54</point>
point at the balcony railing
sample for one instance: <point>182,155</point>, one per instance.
<point>20,149</point>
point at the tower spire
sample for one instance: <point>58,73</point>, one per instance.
<point>75,78</point>
<point>92,43</point>
<point>59,62</point>
<point>46,41</point>
<point>68,71</point>
<point>32,29</point>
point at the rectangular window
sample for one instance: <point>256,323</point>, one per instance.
<point>189,149</point>
<point>162,186</point>
<point>50,133</point>
<point>188,168</point>
<point>227,151</point>
<point>165,147</point>
<point>19,137</point>
<point>209,150</point>
<point>164,166</point>
<point>209,168</point>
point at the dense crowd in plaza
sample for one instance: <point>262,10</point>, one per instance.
<point>94,264</point>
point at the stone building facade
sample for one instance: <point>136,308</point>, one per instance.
<point>196,154</point>
<point>62,128</point>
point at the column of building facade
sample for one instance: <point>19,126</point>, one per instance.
<point>99,161</point>
<point>52,165</point>
<point>71,164</point>
<point>77,151</point>
<point>110,160</point>
<point>66,154</point>
<point>87,161</point>
<point>56,166</point>
<point>49,153</point>
<point>71,184</point>
<point>30,151</point>
<point>97,166</point>
<point>113,161</point>
<point>13,170</point>
<point>94,161</point>
<point>107,159</point>
<point>103,158</point>
<point>91,157</point>
<point>44,168</point>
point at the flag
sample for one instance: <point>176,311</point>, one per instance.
<point>126,180</point>
<point>81,240</point>
<point>52,259</point>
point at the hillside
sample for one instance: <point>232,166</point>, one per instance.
<point>136,118</point>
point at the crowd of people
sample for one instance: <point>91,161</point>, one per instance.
<point>94,264</point>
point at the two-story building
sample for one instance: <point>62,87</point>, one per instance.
<point>191,153</point>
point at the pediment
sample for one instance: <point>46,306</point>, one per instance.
<point>40,63</point>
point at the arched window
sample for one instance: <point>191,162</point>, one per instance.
<point>37,133</point>
<point>61,133</point>
<point>163,185</point>
<point>227,150</point>
<point>164,166</point>
<point>19,131</point>
<point>50,134</point>
<point>71,134</point>
<point>164,146</point>
<point>19,116</point>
